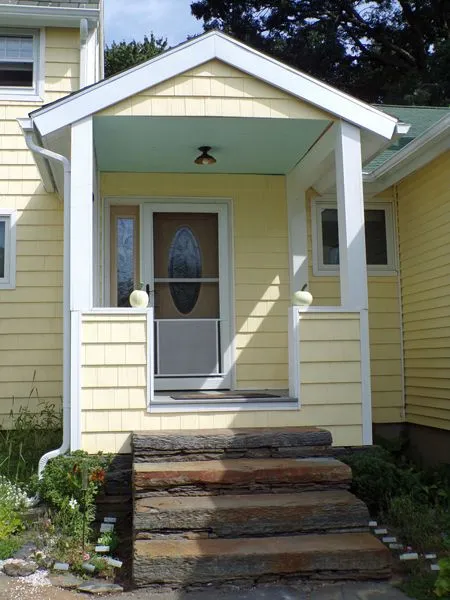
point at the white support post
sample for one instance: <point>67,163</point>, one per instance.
<point>350,203</point>
<point>81,216</point>
<point>75,380</point>
<point>294,353</point>
<point>80,259</point>
<point>352,251</point>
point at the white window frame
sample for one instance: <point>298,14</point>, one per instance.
<point>36,92</point>
<point>320,269</point>
<point>9,217</point>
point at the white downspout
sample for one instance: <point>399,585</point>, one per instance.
<point>65,446</point>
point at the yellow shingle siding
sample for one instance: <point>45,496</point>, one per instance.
<point>384,333</point>
<point>31,315</point>
<point>424,230</point>
<point>215,90</point>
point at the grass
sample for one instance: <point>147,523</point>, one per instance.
<point>30,434</point>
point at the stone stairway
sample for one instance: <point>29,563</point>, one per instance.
<point>226,505</point>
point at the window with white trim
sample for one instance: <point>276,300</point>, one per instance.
<point>7,249</point>
<point>19,64</point>
<point>379,230</point>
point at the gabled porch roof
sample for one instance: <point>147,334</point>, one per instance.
<point>210,46</point>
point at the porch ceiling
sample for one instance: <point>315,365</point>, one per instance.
<point>170,144</point>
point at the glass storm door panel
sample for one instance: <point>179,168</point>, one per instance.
<point>186,297</point>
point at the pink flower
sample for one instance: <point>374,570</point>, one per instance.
<point>86,556</point>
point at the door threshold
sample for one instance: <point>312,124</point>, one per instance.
<point>221,401</point>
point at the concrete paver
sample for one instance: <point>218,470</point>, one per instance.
<point>20,589</point>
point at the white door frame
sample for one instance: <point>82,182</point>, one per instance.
<point>148,209</point>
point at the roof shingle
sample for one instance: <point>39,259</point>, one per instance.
<point>421,118</point>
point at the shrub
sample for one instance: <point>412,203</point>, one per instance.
<point>377,479</point>
<point>419,525</point>
<point>442,587</point>
<point>9,546</point>
<point>12,504</point>
<point>69,486</point>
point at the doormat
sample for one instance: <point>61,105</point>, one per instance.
<point>221,395</point>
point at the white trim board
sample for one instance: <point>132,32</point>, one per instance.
<point>212,45</point>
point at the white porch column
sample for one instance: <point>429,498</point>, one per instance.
<point>81,216</point>
<point>352,252</point>
<point>298,238</point>
<point>350,203</point>
<point>80,259</point>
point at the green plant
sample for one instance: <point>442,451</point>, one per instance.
<point>420,585</point>
<point>29,435</point>
<point>109,538</point>
<point>69,486</point>
<point>418,524</point>
<point>12,504</point>
<point>442,587</point>
<point>9,546</point>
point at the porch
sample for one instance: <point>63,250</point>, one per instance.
<point>222,320</point>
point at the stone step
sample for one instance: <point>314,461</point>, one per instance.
<point>249,515</point>
<point>329,556</point>
<point>238,476</point>
<point>287,442</point>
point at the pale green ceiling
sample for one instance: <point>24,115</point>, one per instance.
<point>169,144</point>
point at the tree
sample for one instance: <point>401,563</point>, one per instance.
<point>123,55</point>
<point>391,51</point>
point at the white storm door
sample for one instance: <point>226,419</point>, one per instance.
<point>185,265</point>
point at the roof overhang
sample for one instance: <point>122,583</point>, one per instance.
<point>413,156</point>
<point>210,46</point>
<point>15,15</point>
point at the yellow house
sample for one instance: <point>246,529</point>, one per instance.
<point>224,182</point>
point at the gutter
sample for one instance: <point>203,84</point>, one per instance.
<point>50,15</point>
<point>27,127</point>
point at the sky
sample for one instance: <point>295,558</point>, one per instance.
<point>132,19</point>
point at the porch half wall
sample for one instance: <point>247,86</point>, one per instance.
<point>114,379</point>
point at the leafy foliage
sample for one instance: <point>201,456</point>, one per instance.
<point>123,55</point>
<point>419,524</point>
<point>390,51</point>
<point>69,486</point>
<point>12,505</point>
<point>9,546</point>
<point>379,476</point>
<point>442,587</point>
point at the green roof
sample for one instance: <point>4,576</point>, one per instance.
<point>421,118</point>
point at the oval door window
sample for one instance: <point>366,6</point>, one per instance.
<point>185,262</point>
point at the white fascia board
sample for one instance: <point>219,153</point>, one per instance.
<point>412,157</point>
<point>211,46</point>
<point>122,86</point>
<point>304,87</point>
<point>45,16</point>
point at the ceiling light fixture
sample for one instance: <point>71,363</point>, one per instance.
<point>205,158</point>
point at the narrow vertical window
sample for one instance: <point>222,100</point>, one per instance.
<point>124,236</point>
<point>7,249</point>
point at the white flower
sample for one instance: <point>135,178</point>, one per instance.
<point>73,503</point>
